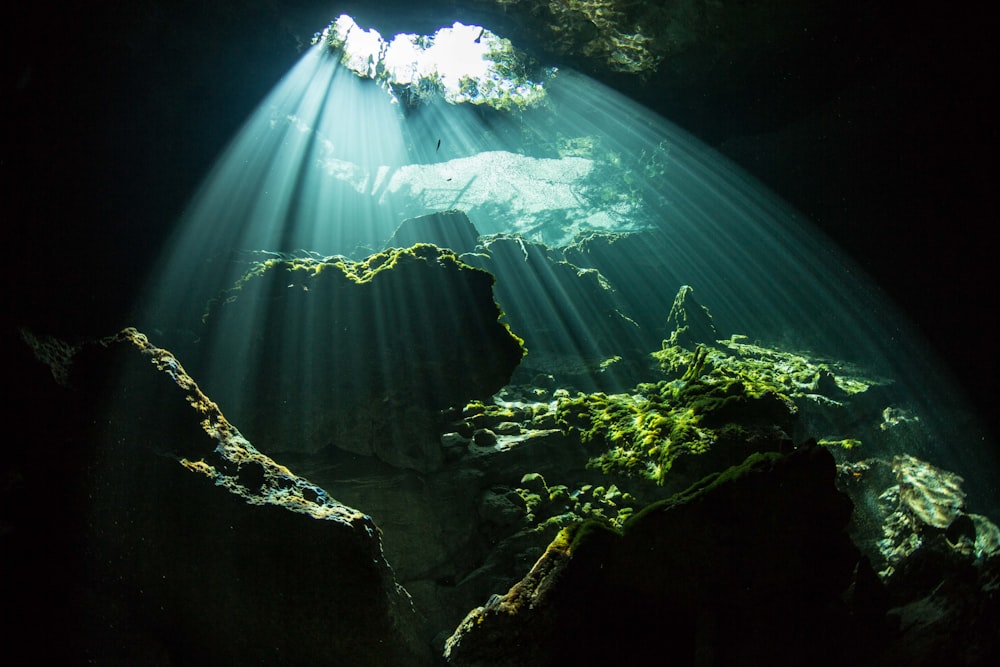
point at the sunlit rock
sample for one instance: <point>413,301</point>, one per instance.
<point>933,496</point>
<point>925,521</point>
<point>360,356</point>
<point>940,563</point>
<point>829,397</point>
<point>672,435</point>
<point>689,321</point>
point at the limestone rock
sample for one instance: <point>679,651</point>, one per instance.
<point>360,356</point>
<point>448,229</point>
<point>747,567</point>
<point>940,564</point>
<point>689,321</point>
<point>179,542</point>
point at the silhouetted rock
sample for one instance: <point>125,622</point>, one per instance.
<point>690,322</point>
<point>183,543</point>
<point>448,229</point>
<point>747,567</point>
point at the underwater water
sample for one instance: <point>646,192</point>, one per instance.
<point>439,327</point>
<point>673,315</point>
<point>331,163</point>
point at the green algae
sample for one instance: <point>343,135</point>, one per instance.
<point>843,443</point>
<point>762,368</point>
<point>711,391</point>
<point>640,434</point>
<point>560,506</point>
<point>725,391</point>
<point>311,272</point>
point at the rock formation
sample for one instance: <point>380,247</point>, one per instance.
<point>359,356</point>
<point>751,566</point>
<point>177,541</point>
<point>448,229</point>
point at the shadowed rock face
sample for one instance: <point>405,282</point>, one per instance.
<point>747,567</point>
<point>172,538</point>
<point>570,317</point>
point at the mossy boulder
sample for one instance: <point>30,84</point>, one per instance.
<point>661,426</point>
<point>750,566</point>
<point>361,356</point>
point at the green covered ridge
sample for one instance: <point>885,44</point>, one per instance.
<point>357,272</point>
<point>793,375</point>
<point>709,391</point>
<point>711,402</point>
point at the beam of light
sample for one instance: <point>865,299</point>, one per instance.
<point>310,154</point>
<point>330,165</point>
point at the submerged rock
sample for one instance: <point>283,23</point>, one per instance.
<point>513,472</point>
<point>940,564</point>
<point>570,317</point>
<point>689,321</point>
<point>750,566</point>
<point>361,356</point>
<point>448,229</point>
<point>180,542</point>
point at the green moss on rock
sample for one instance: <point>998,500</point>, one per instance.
<point>646,432</point>
<point>364,354</point>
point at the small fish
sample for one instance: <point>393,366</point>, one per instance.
<point>480,35</point>
<point>438,146</point>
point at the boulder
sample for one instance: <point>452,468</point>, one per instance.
<point>750,566</point>
<point>448,229</point>
<point>360,356</point>
<point>940,563</point>
<point>169,539</point>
